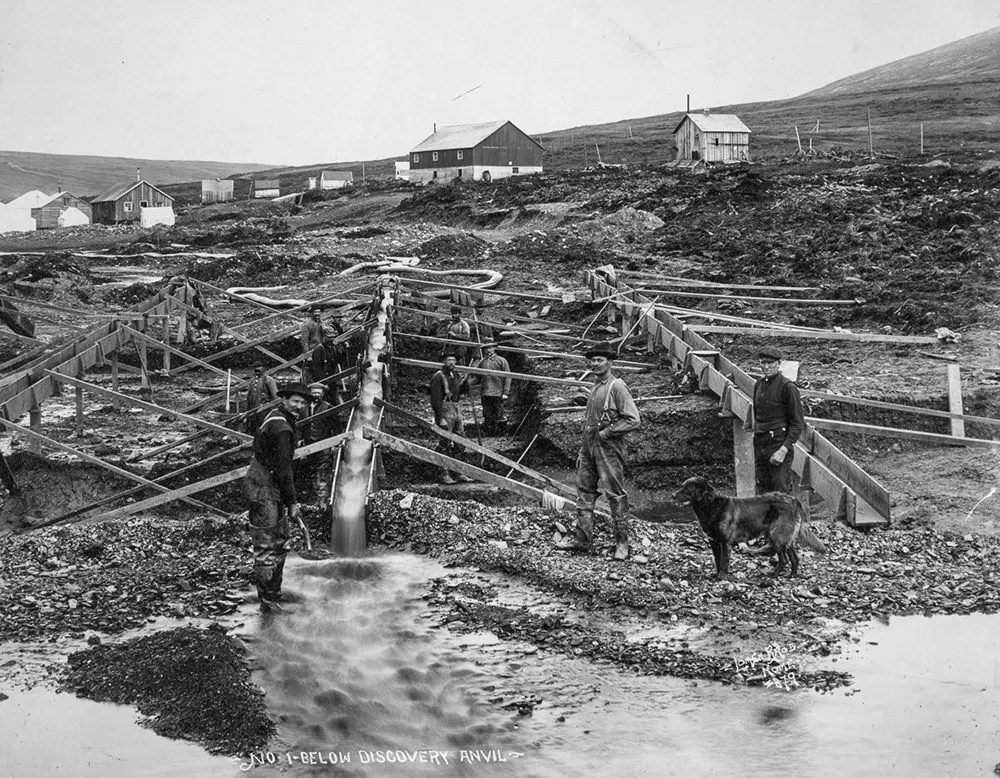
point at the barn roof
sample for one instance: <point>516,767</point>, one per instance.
<point>715,122</point>
<point>337,175</point>
<point>458,136</point>
<point>267,183</point>
<point>122,189</point>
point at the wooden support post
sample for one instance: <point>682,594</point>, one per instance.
<point>35,424</point>
<point>746,477</point>
<point>871,145</point>
<point>79,407</point>
<point>115,384</point>
<point>166,339</point>
<point>955,399</point>
<point>921,139</point>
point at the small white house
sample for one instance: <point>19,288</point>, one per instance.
<point>335,179</point>
<point>216,190</point>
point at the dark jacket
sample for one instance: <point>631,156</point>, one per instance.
<point>777,405</point>
<point>262,390</point>
<point>446,388</point>
<point>311,431</point>
<point>274,447</point>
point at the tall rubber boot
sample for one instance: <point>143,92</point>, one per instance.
<point>619,514</point>
<point>584,527</point>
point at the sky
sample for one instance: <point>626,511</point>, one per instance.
<point>312,81</point>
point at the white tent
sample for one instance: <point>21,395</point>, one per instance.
<point>151,216</point>
<point>29,200</point>
<point>16,219</point>
<point>72,217</point>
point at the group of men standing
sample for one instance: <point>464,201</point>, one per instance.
<point>611,414</point>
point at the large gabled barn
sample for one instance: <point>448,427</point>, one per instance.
<point>483,151</point>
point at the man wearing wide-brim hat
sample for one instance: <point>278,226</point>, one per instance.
<point>270,488</point>
<point>600,463</point>
<point>777,424</point>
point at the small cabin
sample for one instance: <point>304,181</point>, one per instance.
<point>217,190</point>
<point>266,188</point>
<point>124,202</point>
<point>62,210</point>
<point>712,137</point>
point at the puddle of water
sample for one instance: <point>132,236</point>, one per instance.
<point>126,275</point>
<point>357,669</point>
<point>47,734</point>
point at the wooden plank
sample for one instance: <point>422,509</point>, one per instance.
<point>449,463</point>
<point>319,301</point>
<point>895,432</point>
<point>193,420</point>
<point>678,281</point>
<point>747,297</point>
<point>480,371</point>
<point>849,471</point>
<point>513,328</point>
<point>743,456</point>
<point>766,332</point>
<point>474,290</point>
<point>466,443</point>
<point>216,480</point>
<point>955,400</point>
<point>42,440</point>
<point>170,349</point>
<point>897,407</point>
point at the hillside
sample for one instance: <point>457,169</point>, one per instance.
<point>954,90</point>
<point>88,175</point>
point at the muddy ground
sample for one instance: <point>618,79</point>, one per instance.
<point>916,244</point>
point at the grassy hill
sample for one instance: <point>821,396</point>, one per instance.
<point>88,175</point>
<point>954,90</point>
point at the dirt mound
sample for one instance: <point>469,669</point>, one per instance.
<point>461,245</point>
<point>190,683</point>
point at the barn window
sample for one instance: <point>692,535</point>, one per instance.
<point>434,156</point>
<point>65,201</point>
<point>144,204</point>
<point>127,206</point>
<point>416,157</point>
<point>716,141</point>
<point>461,155</point>
<point>515,170</point>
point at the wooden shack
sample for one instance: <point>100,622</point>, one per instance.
<point>124,202</point>
<point>47,214</point>
<point>712,137</point>
<point>266,187</point>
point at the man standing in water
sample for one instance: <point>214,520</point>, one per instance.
<point>611,413</point>
<point>270,488</point>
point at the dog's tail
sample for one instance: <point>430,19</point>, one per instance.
<point>808,539</point>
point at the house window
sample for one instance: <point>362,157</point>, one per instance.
<point>461,155</point>
<point>127,206</point>
<point>416,157</point>
<point>434,156</point>
<point>515,170</point>
<point>65,201</point>
<point>144,204</point>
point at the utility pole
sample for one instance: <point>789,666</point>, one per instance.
<point>921,139</point>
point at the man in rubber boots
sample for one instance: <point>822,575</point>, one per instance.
<point>611,414</point>
<point>270,488</point>
<point>447,385</point>
<point>458,329</point>
<point>777,424</point>
<point>319,466</point>
<point>311,334</point>
<point>495,389</point>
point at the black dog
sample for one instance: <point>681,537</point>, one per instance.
<point>731,520</point>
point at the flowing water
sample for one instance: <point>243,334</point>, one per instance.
<point>362,682</point>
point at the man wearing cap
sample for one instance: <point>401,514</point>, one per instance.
<point>495,389</point>
<point>261,390</point>
<point>611,414</point>
<point>270,488</point>
<point>777,424</point>
<point>447,386</point>
<point>317,466</point>
<point>458,330</point>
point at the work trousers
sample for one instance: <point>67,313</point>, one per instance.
<point>771,478</point>
<point>269,530</point>
<point>493,418</point>
<point>600,464</point>
<point>317,472</point>
<point>451,414</point>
